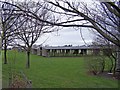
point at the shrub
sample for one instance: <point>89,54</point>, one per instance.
<point>96,64</point>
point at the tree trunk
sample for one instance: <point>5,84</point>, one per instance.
<point>111,68</point>
<point>103,66</point>
<point>114,69</point>
<point>118,60</point>
<point>28,60</point>
<point>5,52</point>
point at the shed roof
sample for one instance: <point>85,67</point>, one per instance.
<point>72,47</point>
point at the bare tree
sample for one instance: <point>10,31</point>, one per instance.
<point>108,50</point>
<point>110,21</point>
<point>7,26</point>
<point>32,28</point>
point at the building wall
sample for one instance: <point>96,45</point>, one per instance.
<point>39,51</point>
<point>70,52</point>
<point>34,51</point>
<point>44,52</point>
<point>64,52</point>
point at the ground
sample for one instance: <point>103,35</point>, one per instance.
<point>0,71</point>
<point>55,72</point>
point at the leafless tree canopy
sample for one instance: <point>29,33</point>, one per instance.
<point>104,17</point>
<point>7,26</point>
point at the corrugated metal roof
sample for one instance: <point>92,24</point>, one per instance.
<point>72,47</point>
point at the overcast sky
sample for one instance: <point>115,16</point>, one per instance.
<point>66,36</point>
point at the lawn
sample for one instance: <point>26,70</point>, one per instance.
<point>0,70</point>
<point>55,72</point>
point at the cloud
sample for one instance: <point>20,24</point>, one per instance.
<point>66,36</point>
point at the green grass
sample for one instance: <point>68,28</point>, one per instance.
<point>0,70</point>
<point>55,72</point>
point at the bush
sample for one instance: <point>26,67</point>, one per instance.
<point>96,64</point>
<point>19,81</point>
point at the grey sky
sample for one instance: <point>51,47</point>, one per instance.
<point>66,36</point>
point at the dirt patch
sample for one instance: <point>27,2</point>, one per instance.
<point>106,75</point>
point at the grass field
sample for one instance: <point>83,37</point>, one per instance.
<point>55,72</point>
<point>0,70</point>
